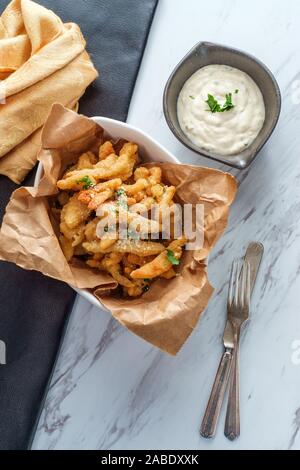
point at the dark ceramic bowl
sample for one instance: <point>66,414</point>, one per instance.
<point>205,53</point>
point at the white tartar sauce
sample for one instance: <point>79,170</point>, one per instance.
<point>228,132</point>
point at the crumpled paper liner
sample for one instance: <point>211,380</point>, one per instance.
<point>167,314</point>
<point>42,61</point>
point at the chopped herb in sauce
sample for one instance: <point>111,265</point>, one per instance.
<point>228,103</point>
<point>213,104</point>
<point>215,107</point>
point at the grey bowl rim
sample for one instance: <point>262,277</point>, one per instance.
<point>219,158</point>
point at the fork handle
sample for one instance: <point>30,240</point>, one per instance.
<point>232,423</point>
<point>212,413</point>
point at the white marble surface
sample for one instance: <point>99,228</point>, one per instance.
<point>111,390</point>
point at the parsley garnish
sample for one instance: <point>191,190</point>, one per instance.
<point>88,183</point>
<point>122,198</point>
<point>192,97</point>
<point>121,192</point>
<point>171,257</point>
<point>213,104</point>
<point>215,107</point>
<point>236,91</point>
<point>228,103</point>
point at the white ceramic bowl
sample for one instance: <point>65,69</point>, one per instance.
<point>149,150</point>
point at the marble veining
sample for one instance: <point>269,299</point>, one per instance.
<point>110,389</point>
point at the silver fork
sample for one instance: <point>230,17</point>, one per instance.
<point>238,314</point>
<point>212,413</point>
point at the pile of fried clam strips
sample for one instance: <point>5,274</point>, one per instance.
<point>110,187</point>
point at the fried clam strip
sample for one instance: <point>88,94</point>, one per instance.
<point>71,240</point>
<point>138,247</point>
<point>133,189</point>
<point>72,225</point>
<point>111,167</point>
<point>140,286</point>
<point>165,208</point>
<point>102,170</point>
<point>90,229</point>
<point>111,264</point>
<point>130,263</point>
<point>74,235</point>
<point>90,233</point>
<point>106,242</point>
<point>86,160</point>
<point>100,193</point>
<point>134,260</point>
<point>137,223</point>
<point>161,263</point>
<point>156,191</point>
<point>94,262</point>
<point>141,172</point>
<point>135,247</point>
<point>135,192</point>
<point>132,288</point>
<point>107,208</point>
<point>167,196</point>
<point>155,175</point>
<point>105,150</point>
<point>153,178</point>
<point>135,216</point>
<point>74,212</point>
<point>163,211</point>
<point>66,246</point>
<point>143,206</point>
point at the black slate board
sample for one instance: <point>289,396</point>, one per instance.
<point>35,309</point>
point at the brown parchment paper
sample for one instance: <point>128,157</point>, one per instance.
<point>167,314</point>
